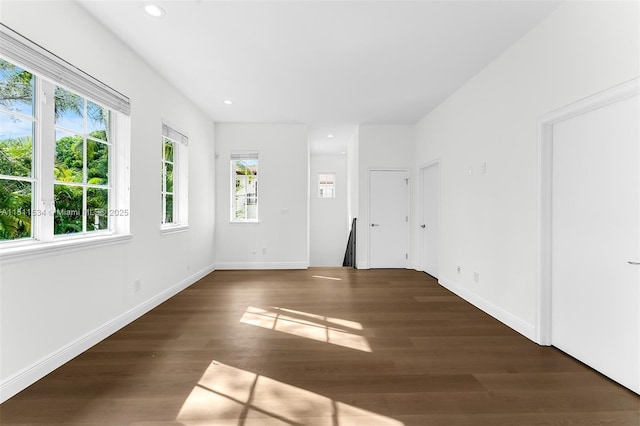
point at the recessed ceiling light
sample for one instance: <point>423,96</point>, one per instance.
<point>154,10</point>
<point>227,102</point>
<point>343,152</point>
<point>329,136</point>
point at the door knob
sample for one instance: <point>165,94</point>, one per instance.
<point>375,224</point>
<point>633,263</point>
<point>423,226</point>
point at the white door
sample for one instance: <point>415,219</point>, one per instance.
<point>595,220</point>
<point>429,224</point>
<point>388,218</point>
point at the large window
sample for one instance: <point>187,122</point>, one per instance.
<point>244,187</point>
<point>59,174</point>
<point>174,178</point>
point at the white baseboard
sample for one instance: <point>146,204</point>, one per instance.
<point>510,320</point>
<point>362,265</point>
<point>261,265</point>
<point>29,375</point>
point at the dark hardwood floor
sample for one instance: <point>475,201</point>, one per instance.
<point>330,346</point>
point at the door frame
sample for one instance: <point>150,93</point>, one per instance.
<point>545,187</point>
<point>421,170</point>
<point>408,207</point>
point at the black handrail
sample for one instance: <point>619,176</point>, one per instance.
<point>350,253</point>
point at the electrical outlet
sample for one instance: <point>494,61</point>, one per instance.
<point>264,250</point>
<point>137,285</point>
<point>476,277</point>
<point>459,269</point>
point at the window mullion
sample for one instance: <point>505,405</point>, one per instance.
<point>45,160</point>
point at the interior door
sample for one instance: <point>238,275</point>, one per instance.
<point>429,226</point>
<point>388,218</point>
<point>595,239</point>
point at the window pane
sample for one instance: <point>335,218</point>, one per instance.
<point>168,150</point>
<point>16,88</point>
<point>67,218</point>
<point>97,163</point>
<point>169,177</point>
<point>240,209</point>
<point>252,167</point>
<point>16,146</point>
<point>15,209</point>
<point>68,162</point>
<point>241,185</point>
<point>97,121</point>
<point>97,209</point>
<point>168,209</point>
<point>69,110</point>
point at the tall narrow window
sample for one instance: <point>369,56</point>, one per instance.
<point>167,180</point>
<point>81,164</point>
<point>327,185</point>
<point>244,187</point>
<point>174,178</point>
<point>17,126</point>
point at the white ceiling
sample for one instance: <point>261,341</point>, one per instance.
<point>329,64</point>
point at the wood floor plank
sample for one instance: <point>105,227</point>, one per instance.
<point>324,346</point>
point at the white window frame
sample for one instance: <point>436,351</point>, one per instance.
<point>180,180</point>
<point>235,157</point>
<point>50,71</point>
<point>322,186</point>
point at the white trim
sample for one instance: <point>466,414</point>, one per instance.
<point>545,162</point>
<point>507,318</point>
<point>173,229</point>
<point>362,265</point>
<point>261,265</point>
<point>29,375</point>
<point>31,250</point>
<point>420,184</point>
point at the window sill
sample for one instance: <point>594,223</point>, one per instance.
<point>34,249</point>
<point>244,221</point>
<point>173,229</point>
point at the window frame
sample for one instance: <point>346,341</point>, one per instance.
<point>50,72</point>
<point>235,158</point>
<point>322,186</point>
<point>180,142</point>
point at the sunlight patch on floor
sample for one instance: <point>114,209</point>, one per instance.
<point>335,331</point>
<point>229,395</point>
<point>326,278</point>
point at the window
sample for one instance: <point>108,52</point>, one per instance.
<point>174,178</point>
<point>244,187</point>
<point>17,126</point>
<point>81,164</point>
<point>326,185</point>
<point>59,174</point>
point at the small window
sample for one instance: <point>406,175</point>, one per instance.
<point>326,185</point>
<point>174,178</point>
<point>244,187</point>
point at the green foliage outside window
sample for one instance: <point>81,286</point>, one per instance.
<point>82,130</point>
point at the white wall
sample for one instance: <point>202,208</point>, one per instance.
<point>54,306</point>
<point>280,239</point>
<point>329,220</point>
<point>379,146</point>
<point>490,221</point>
<point>353,171</point>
